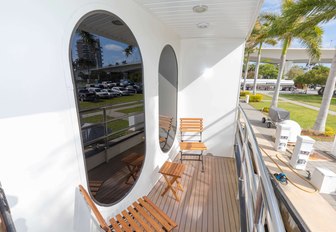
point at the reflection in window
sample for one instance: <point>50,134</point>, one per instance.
<point>107,70</point>
<point>167,97</point>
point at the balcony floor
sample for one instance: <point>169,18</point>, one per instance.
<point>209,201</point>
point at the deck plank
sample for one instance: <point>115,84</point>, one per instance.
<point>208,202</point>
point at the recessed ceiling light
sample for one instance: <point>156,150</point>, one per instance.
<point>202,25</point>
<point>200,8</point>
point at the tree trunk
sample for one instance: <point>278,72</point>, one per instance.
<point>246,70</point>
<point>280,74</point>
<point>326,99</point>
<point>256,72</point>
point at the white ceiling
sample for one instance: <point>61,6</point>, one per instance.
<point>226,18</point>
<point>101,24</point>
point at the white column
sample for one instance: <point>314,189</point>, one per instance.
<point>288,65</point>
<point>333,149</point>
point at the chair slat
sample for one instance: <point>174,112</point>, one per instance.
<point>115,225</point>
<point>170,221</point>
<point>139,219</point>
<point>130,220</point>
<point>148,218</point>
<point>155,214</point>
<point>123,224</point>
<point>192,146</point>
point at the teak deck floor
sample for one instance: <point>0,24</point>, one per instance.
<point>209,201</point>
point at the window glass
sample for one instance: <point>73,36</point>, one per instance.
<point>105,57</point>
<point>167,97</point>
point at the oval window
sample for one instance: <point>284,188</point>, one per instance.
<point>168,74</point>
<point>107,71</point>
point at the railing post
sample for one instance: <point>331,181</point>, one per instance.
<point>5,214</point>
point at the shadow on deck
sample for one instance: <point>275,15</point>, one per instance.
<point>209,201</point>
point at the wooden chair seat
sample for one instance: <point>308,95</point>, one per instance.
<point>193,146</point>
<point>142,215</point>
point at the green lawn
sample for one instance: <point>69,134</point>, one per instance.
<point>113,126</point>
<point>267,98</point>
<point>314,100</point>
<point>304,116</point>
<point>105,102</point>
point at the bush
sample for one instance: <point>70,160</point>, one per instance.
<point>256,98</point>
<point>329,131</point>
<point>265,109</point>
<point>244,93</point>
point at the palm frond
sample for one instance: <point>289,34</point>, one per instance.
<point>271,41</point>
<point>312,40</point>
<point>87,37</point>
<point>318,10</point>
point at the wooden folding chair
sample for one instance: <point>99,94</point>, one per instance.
<point>191,139</point>
<point>165,125</point>
<point>142,215</point>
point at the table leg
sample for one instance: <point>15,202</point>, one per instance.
<point>132,173</point>
<point>170,186</point>
<point>179,186</point>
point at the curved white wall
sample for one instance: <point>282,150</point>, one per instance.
<point>41,161</point>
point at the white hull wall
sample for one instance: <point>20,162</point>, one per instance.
<point>41,160</point>
<point>212,95</point>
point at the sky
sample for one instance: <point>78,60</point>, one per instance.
<point>112,51</point>
<point>329,35</point>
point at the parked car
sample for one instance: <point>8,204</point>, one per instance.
<point>125,82</point>
<point>131,89</point>
<point>111,93</point>
<point>86,95</point>
<point>108,84</point>
<point>99,92</point>
<point>121,90</point>
<point>138,88</point>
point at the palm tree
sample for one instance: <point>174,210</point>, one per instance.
<point>260,29</point>
<point>129,50</point>
<point>318,11</point>
<point>310,37</point>
<point>248,50</point>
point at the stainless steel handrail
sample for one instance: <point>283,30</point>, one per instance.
<point>102,111</point>
<point>256,191</point>
<point>5,213</point>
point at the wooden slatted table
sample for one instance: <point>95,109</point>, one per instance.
<point>133,163</point>
<point>171,173</point>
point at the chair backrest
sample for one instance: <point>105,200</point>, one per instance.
<point>94,209</point>
<point>191,127</point>
<point>165,122</point>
